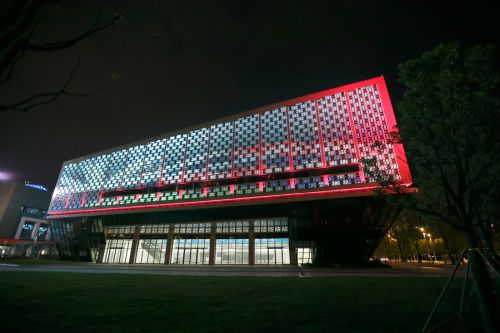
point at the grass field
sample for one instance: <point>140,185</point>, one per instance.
<point>72,302</point>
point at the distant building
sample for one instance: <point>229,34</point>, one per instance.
<point>23,208</point>
<point>283,184</point>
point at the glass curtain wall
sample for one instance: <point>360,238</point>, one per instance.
<point>190,251</point>
<point>191,243</point>
<point>272,251</point>
<point>151,251</point>
<point>27,231</point>
<point>231,252</point>
<point>306,252</point>
<point>117,251</point>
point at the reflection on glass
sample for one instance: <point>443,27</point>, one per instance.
<point>151,251</point>
<point>272,251</point>
<point>190,251</point>
<point>305,255</point>
<point>117,251</point>
<point>27,230</point>
<point>231,251</point>
<point>43,230</point>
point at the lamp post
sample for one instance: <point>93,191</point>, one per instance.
<point>393,240</point>
<point>428,235</point>
<point>425,235</point>
<point>432,246</point>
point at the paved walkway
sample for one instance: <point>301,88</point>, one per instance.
<point>396,269</point>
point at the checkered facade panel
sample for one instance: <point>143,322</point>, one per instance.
<point>173,161</point>
<point>246,152</point>
<point>370,127</point>
<point>262,153</point>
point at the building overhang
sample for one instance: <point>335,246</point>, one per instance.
<point>347,191</point>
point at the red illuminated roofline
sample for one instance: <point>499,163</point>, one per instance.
<point>404,169</point>
<point>364,191</point>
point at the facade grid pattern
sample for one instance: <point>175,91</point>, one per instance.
<point>263,153</point>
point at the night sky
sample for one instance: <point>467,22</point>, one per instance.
<point>182,64</point>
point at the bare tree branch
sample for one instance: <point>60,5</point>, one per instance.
<point>13,64</point>
<point>16,39</point>
<point>19,55</point>
<point>50,97</point>
<point>93,29</point>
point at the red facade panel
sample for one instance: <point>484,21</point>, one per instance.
<point>307,147</point>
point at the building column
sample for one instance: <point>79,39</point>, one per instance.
<point>135,243</point>
<point>293,256</point>
<point>170,244</point>
<point>100,256</point>
<point>102,247</point>
<point>213,243</point>
<point>34,234</point>
<point>251,244</point>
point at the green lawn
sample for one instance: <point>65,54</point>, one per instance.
<point>73,302</point>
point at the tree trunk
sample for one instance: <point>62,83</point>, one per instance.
<point>419,257</point>
<point>401,254</point>
<point>451,255</point>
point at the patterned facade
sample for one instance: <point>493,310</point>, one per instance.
<point>283,184</point>
<point>310,143</point>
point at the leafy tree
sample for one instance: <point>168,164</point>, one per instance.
<point>412,237</point>
<point>450,125</point>
<point>450,119</point>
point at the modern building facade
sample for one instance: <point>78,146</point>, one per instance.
<point>282,184</point>
<point>24,231</point>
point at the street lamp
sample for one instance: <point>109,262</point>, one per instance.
<point>432,245</point>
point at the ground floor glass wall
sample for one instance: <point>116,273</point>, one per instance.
<point>235,242</point>
<point>305,255</point>
<point>272,251</point>
<point>151,251</point>
<point>190,251</point>
<point>117,251</point>
<point>231,252</point>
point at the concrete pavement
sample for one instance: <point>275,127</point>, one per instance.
<point>396,270</point>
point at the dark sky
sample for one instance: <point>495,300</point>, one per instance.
<point>182,63</point>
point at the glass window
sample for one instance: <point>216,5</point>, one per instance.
<point>272,251</point>
<point>151,251</point>
<point>190,251</point>
<point>233,227</point>
<point>305,255</point>
<point>117,251</point>
<point>43,230</point>
<point>27,230</point>
<point>231,251</point>
<point>271,225</point>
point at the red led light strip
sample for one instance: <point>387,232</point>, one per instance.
<point>368,190</point>
<point>404,170</point>
<point>387,111</point>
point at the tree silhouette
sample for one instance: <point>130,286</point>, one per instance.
<point>19,20</point>
<point>450,124</point>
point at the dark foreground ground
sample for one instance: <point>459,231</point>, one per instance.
<point>394,270</point>
<point>360,300</point>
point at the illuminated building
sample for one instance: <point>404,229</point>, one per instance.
<point>24,231</point>
<point>276,185</point>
